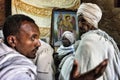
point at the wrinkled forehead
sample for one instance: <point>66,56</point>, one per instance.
<point>29,27</point>
<point>81,18</point>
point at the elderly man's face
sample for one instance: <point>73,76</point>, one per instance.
<point>83,25</point>
<point>27,42</point>
<point>65,42</point>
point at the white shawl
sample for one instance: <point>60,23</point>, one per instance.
<point>44,62</point>
<point>65,50</point>
<point>66,63</point>
<point>14,66</point>
<point>94,47</point>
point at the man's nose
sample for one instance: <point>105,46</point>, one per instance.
<point>38,44</point>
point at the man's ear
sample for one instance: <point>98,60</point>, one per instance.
<point>11,40</point>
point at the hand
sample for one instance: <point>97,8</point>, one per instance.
<point>75,72</point>
<point>90,75</point>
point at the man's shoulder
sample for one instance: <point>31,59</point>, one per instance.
<point>10,55</point>
<point>14,62</point>
<point>45,47</point>
<point>90,36</point>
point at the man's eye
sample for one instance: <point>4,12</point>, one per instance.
<point>82,20</point>
<point>33,38</point>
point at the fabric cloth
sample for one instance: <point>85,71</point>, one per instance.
<point>94,47</point>
<point>65,50</point>
<point>66,56</point>
<point>66,66</point>
<point>91,12</point>
<point>44,62</point>
<point>69,35</point>
<point>14,66</point>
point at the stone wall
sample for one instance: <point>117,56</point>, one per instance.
<point>110,21</point>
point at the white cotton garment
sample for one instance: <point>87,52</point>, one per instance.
<point>14,66</point>
<point>94,47</point>
<point>65,50</point>
<point>66,66</point>
<point>44,62</point>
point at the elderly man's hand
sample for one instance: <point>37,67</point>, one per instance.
<point>91,75</point>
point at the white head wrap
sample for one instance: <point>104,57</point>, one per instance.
<point>69,35</point>
<point>91,12</point>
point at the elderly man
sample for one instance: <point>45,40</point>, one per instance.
<point>67,44</point>
<point>96,45</point>
<point>64,51</point>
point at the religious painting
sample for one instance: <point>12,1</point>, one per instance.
<point>63,20</point>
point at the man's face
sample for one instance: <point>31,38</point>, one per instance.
<point>65,42</point>
<point>27,42</point>
<point>83,25</point>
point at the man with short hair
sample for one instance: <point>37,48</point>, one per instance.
<point>21,41</point>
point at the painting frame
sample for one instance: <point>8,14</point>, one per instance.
<point>56,30</point>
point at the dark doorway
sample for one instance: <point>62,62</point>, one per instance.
<point>7,7</point>
<point>117,3</point>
